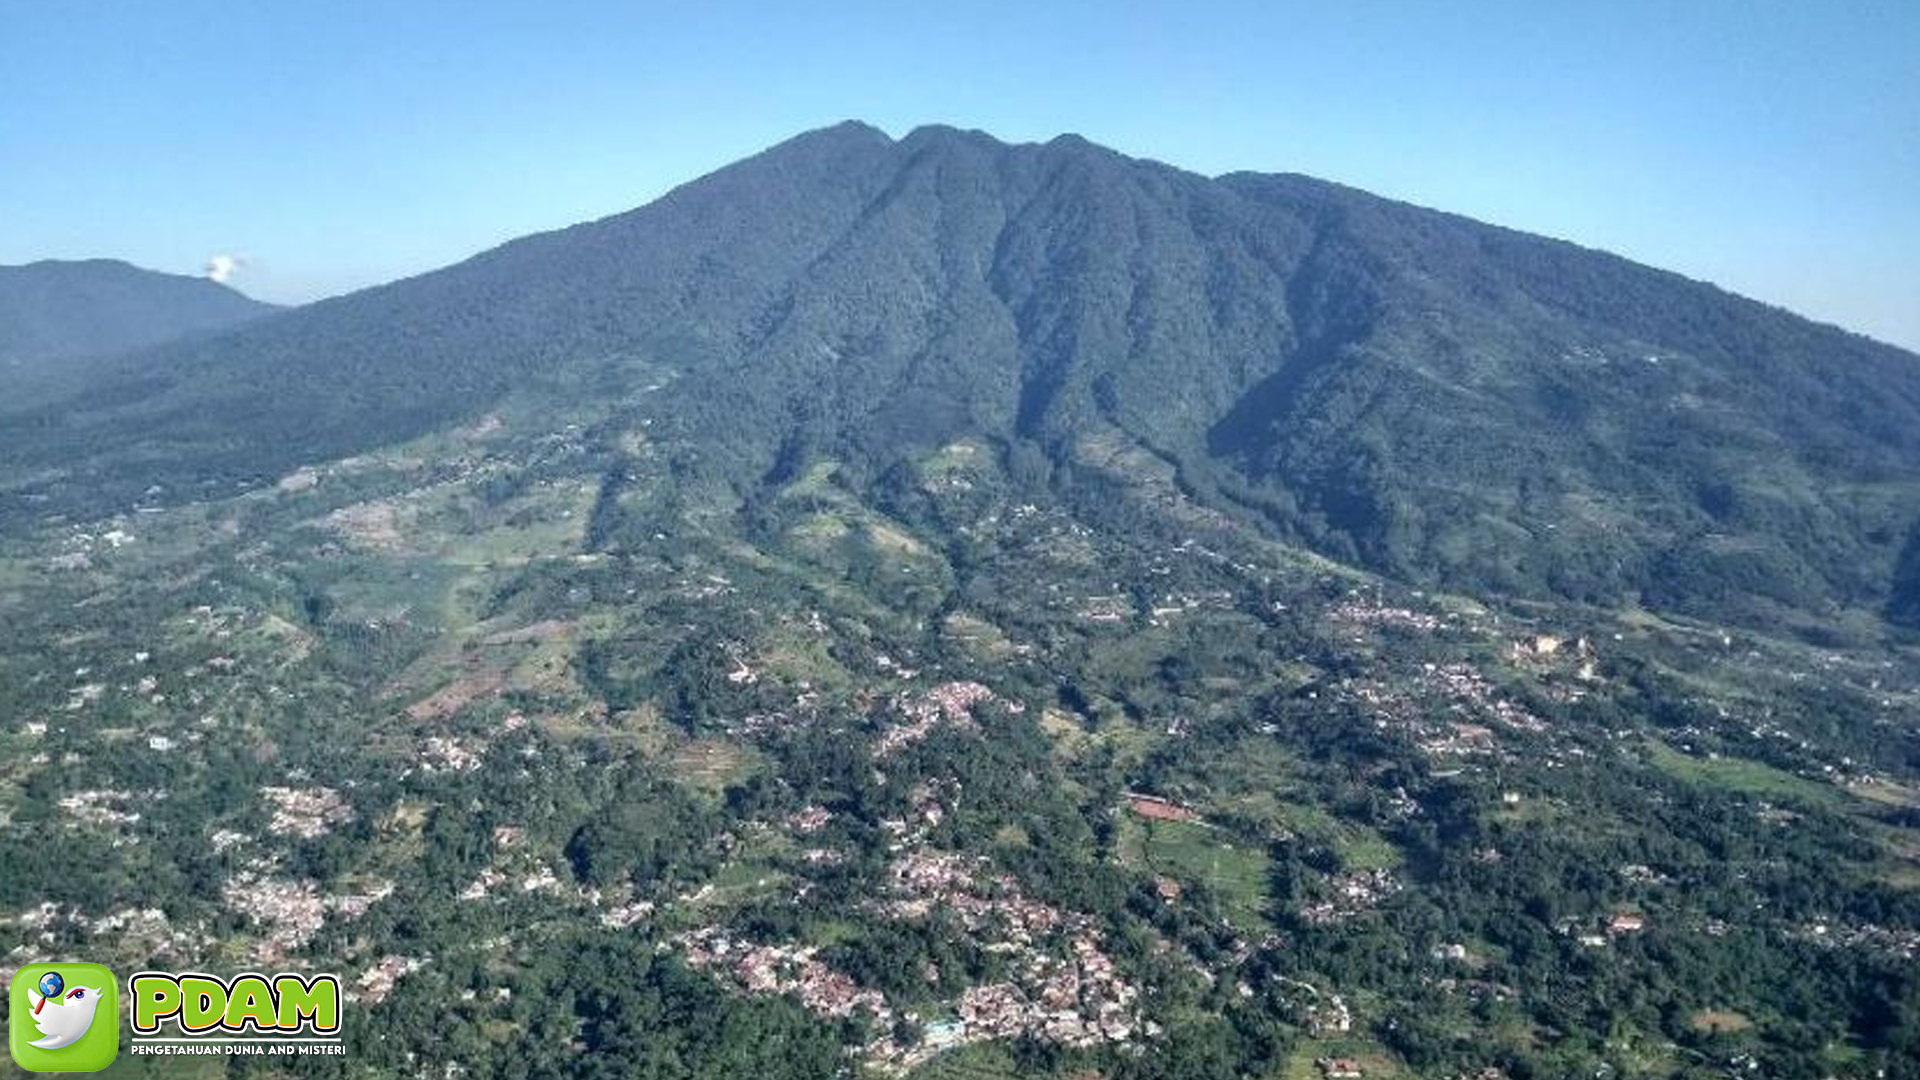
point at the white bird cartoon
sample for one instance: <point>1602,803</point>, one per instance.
<point>62,1022</point>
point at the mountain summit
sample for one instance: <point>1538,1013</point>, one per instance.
<point>1446,401</point>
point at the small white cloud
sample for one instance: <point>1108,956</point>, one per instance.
<point>222,267</point>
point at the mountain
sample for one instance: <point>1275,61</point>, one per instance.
<point>928,608</point>
<point>1448,402</point>
<point>54,312</point>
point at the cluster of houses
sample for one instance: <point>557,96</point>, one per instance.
<point>621,916</point>
<point>288,912</point>
<point>1059,984</point>
<point>79,545</point>
<point>1065,988</point>
<point>1437,734</point>
<point>375,983</point>
<point>1107,609</point>
<point>1476,990</point>
<point>990,905</point>
<point>1079,1001</point>
<point>1351,894</point>
<point>1465,721</point>
<point>810,819</point>
<point>783,969</point>
<point>488,880</point>
<point>48,923</point>
<point>1614,925</point>
<point>103,808</point>
<point>306,813</point>
<point>1359,612</point>
<point>951,703</point>
<point>1462,684</point>
<point>1897,941</point>
<point>1329,1015</point>
<point>445,753</point>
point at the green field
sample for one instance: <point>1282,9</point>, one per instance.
<point>1193,853</point>
<point>1374,1058</point>
<point>1745,776</point>
<point>981,1061</point>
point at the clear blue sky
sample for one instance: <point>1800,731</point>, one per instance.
<point>1771,147</point>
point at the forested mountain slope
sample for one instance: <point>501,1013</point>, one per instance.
<point>1446,401</point>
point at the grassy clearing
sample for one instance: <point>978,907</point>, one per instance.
<point>711,765</point>
<point>1375,1060</point>
<point>743,880</point>
<point>1255,784</point>
<point>816,482</point>
<point>1719,1021</point>
<point>962,456</point>
<point>545,524</point>
<point>1744,776</point>
<point>1539,811</point>
<point>795,657</point>
<point>978,637</point>
<point>396,589</point>
<point>20,573</point>
<point>981,1061</point>
<point>1070,739</point>
<point>1195,853</point>
<point>547,668</point>
<point>1886,793</point>
<point>818,532</point>
<point>1902,868</point>
<point>1363,848</point>
<point>886,539</point>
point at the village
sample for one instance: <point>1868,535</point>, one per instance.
<point>1062,988</point>
<point>1468,695</point>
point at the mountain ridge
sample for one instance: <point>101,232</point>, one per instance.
<point>56,312</point>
